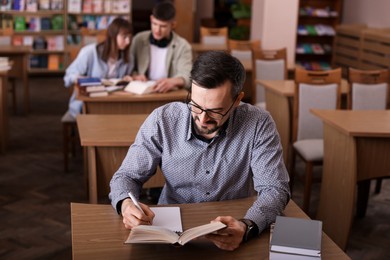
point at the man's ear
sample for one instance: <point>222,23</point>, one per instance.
<point>173,24</point>
<point>239,98</point>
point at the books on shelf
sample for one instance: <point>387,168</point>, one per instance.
<point>4,64</point>
<point>167,229</point>
<point>18,5</point>
<point>31,5</point>
<point>296,236</point>
<point>20,23</point>
<point>74,6</point>
<point>141,87</point>
<point>53,62</point>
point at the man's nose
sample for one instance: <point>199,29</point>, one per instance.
<point>203,117</point>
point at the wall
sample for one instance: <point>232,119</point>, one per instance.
<point>274,22</point>
<point>373,13</point>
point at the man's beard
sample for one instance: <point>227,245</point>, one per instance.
<point>206,131</point>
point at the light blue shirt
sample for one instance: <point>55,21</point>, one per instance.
<point>243,159</point>
<point>89,64</point>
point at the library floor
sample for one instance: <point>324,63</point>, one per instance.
<point>35,192</point>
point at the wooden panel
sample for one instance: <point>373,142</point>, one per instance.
<point>279,107</point>
<point>373,153</point>
<point>108,161</point>
<point>185,14</point>
<point>334,185</point>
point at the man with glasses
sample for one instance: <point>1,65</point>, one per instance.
<point>212,148</point>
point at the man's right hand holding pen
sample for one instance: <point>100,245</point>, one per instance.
<point>135,213</point>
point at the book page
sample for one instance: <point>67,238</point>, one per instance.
<point>168,217</point>
<point>192,233</point>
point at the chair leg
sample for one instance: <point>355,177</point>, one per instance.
<point>13,94</point>
<point>65,130</point>
<point>307,187</point>
<point>362,198</point>
<point>378,186</point>
<point>292,171</point>
<point>73,138</point>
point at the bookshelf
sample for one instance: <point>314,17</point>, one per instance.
<point>317,20</point>
<point>57,29</point>
<point>87,20</point>
<point>39,24</point>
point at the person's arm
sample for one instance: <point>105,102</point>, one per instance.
<point>78,68</point>
<point>139,165</point>
<point>183,65</point>
<point>271,184</point>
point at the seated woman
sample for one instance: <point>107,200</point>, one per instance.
<point>108,59</point>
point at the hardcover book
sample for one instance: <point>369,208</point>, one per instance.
<point>297,236</point>
<point>88,81</point>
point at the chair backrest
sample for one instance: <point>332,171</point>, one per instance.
<point>267,65</point>
<point>242,50</point>
<point>369,89</point>
<point>213,36</point>
<point>314,89</point>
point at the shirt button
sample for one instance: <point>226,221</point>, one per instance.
<point>207,193</point>
<point>207,172</point>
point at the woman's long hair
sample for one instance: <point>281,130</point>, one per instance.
<point>109,45</point>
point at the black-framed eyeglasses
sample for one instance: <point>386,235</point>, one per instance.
<point>193,107</point>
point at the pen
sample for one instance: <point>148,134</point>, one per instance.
<point>135,201</point>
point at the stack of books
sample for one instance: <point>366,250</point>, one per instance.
<point>4,64</point>
<point>296,238</point>
<point>96,87</point>
<point>91,87</point>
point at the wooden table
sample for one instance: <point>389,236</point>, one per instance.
<point>3,111</point>
<point>122,102</point>
<point>19,71</point>
<point>107,139</point>
<point>279,97</point>
<point>98,233</point>
<point>356,148</point>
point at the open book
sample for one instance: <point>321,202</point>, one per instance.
<point>140,87</point>
<point>157,234</point>
<point>115,82</point>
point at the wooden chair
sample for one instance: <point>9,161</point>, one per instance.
<point>369,90</point>
<point>213,36</point>
<point>242,50</point>
<point>70,135</point>
<point>313,89</point>
<point>267,65</point>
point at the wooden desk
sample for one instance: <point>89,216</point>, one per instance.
<point>19,56</point>
<point>122,102</point>
<point>356,148</point>
<point>279,97</point>
<point>3,111</point>
<point>107,139</point>
<point>98,233</point>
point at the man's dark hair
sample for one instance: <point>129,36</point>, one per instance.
<point>164,11</point>
<point>212,69</point>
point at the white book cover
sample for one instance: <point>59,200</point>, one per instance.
<point>74,6</point>
<point>141,87</point>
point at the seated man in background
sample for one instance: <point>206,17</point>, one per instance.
<point>160,54</point>
<point>107,59</point>
<point>212,148</point>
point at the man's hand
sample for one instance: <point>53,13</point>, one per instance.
<point>132,216</point>
<point>230,237</point>
<point>168,84</point>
